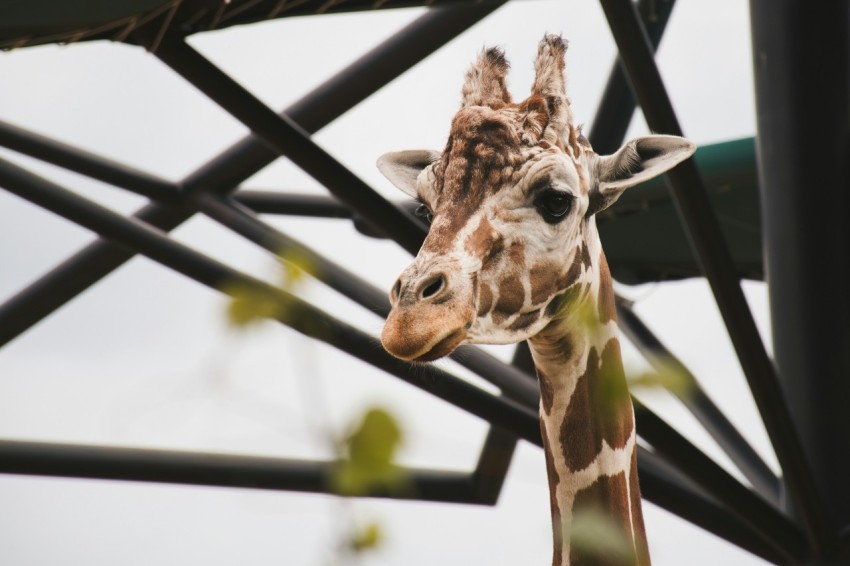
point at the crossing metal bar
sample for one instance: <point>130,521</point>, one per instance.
<point>88,164</point>
<point>297,314</point>
<point>224,173</point>
<point>269,202</point>
<point>210,469</point>
<point>499,445</point>
<point>617,105</point>
<point>707,241</point>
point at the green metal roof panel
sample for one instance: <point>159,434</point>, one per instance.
<point>643,236</point>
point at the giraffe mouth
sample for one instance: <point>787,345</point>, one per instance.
<point>444,347</point>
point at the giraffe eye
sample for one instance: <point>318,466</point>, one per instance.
<point>553,205</point>
<point>424,212</point>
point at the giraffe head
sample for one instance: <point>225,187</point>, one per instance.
<point>511,200</point>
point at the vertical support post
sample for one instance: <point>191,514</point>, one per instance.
<point>802,68</point>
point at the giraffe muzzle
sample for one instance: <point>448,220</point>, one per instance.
<point>432,311</point>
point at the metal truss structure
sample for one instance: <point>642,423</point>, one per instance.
<point>802,396</point>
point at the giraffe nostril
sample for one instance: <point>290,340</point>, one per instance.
<point>433,287</point>
<point>396,290</point>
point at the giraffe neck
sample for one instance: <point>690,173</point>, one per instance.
<point>587,424</point>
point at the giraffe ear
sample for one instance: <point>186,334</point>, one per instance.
<point>402,168</point>
<point>639,160</point>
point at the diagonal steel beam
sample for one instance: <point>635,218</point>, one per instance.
<point>312,322</point>
<point>88,164</point>
<point>713,256</point>
<point>617,105</point>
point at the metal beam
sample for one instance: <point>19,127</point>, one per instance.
<point>88,164</point>
<point>707,240</point>
<point>497,453</point>
<point>617,105</point>
<point>210,469</point>
<point>802,76</point>
<point>252,472</point>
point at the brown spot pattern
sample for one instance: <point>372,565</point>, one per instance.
<point>523,321</point>
<point>585,256</point>
<point>482,241</point>
<point>600,409</point>
<point>511,297</point>
<point>554,480</point>
<point>485,299</point>
<point>574,271</point>
<point>609,495</point>
<point>637,515</point>
<point>605,299</point>
<point>544,281</point>
<point>547,393</point>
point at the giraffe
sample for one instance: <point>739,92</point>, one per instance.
<point>513,254</point>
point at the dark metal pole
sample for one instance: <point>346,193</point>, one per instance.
<point>271,202</point>
<point>801,61</point>
<point>617,104</point>
<point>85,163</point>
<point>707,240</point>
<point>222,174</point>
<point>220,470</point>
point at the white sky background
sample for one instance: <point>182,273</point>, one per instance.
<point>144,358</point>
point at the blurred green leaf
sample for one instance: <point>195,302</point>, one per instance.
<point>677,381</point>
<point>368,537</point>
<point>295,266</point>
<point>593,533</point>
<point>369,451</point>
<point>251,304</point>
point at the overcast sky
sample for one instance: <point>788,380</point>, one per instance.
<point>145,357</point>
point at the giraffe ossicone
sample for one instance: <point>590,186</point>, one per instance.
<point>513,254</point>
